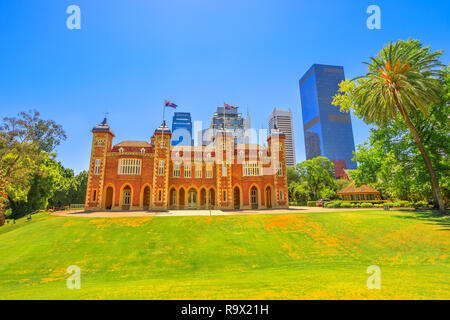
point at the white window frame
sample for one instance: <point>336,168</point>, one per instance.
<point>161,168</point>
<point>209,171</point>
<point>198,170</point>
<point>128,166</point>
<point>251,169</point>
<point>188,170</point>
<point>224,169</point>
<point>176,170</point>
<point>98,164</point>
<point>280,169</point>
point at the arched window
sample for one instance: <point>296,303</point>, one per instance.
<point>121,150</point>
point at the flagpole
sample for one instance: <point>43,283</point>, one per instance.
<point>164,120</point>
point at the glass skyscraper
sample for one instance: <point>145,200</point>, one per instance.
<point>182,122</point>
<point>230,120</point>
<point>328,132</point>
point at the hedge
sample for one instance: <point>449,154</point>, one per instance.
<point>333,204</point>
<point>420,204</point>
<point>299,203</point>
<point>366,205</point>
<point>311,203</point>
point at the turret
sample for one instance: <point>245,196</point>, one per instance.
<point>224,157</point>
<point>102,137</point>
<point>161,139</point>
<point>276,142</point>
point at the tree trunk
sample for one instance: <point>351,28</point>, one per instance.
<point>2,208</point>
<point>434,180</point>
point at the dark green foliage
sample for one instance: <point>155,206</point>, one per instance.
<point>313,180</point>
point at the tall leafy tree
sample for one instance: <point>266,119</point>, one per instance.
<point>401,82</point>
<point>24,142</point>
<point>318,174</point>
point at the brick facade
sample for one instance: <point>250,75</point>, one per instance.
<point>155,185</point>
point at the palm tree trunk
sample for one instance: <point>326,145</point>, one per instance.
<point>434,181</point>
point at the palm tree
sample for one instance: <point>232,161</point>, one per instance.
<point>401,79</point>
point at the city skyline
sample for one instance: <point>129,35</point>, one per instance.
<point>126,59</point>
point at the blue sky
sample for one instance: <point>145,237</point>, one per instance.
<point>131,55</point>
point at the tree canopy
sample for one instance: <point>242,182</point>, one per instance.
<point>403,85</point>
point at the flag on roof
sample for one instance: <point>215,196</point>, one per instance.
<point>170,104</point>
<point>229,107</point>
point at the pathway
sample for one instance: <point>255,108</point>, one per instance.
<point>173,213</point>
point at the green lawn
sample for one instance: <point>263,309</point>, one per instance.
<point>291,256</point>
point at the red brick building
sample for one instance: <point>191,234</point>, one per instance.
<point>141,175</point>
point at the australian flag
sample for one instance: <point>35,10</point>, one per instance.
<point>170,104</point>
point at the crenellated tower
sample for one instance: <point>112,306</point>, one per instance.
<point>276,142</point>
<point>224,156</point>
<point>161,166</point>
<point>102,137</point>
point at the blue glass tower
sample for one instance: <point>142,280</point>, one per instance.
<point>182,129</point>
<point>328,132</point>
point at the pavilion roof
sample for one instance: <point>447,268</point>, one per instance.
<point>352,188</point>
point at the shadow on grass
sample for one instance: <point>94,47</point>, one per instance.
<point>429,217</point>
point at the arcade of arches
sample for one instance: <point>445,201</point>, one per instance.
<point>191,198</point>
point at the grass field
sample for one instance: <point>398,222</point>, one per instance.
<point>291,256</point>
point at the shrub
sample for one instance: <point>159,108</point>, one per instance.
<point>355,205</point>
<point>332,204</point>
<point>311,203</point>
<point>420,204</point>
<point>366,205</point>
<point>298,203</point>
<point>346,205</point>
<point>399,204</point>
<point>404,204</point>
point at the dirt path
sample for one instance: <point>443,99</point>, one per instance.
<point>110,214</point>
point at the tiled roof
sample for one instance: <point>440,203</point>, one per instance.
<point>141,144</point>
<point>104,127</point>
<point>163,128</point>
<point>351,188</point>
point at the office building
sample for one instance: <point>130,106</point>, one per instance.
<point>182,129</point>
<point>328,132</point>
<point>231,121</point>
<point>282,119</point>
